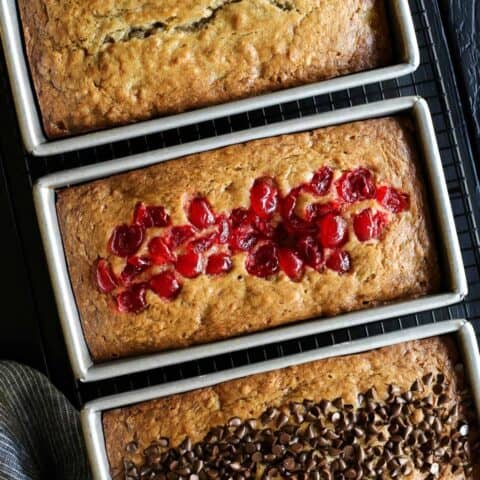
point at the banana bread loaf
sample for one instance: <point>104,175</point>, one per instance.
<point>399,412</point>
<point>249,237</point>
<point>101,63</point>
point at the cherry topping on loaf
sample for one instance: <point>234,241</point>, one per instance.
<point>133,299</point>
<point>291,264</point>
<point>126,240</point>
<point>244,238</point>
<point>134,267</point>
<point>203,243</point>
<point>106,279</point>
<point>179,235</point>
<point>332,230</point>
<point>150,216</point>
<point>200,213</point>
<point>240,216</point>
<point>339,261</point>
<point>321,182</point>
<point>263,261</point>
<point>311,252</point>
<point>189,264</point>
<point>270,232</point>
<point>223,229</point>
<point>369,225</point>
<point>314,211</point>
<point>299,226</point>
<point>356,185</point>
<point>264,197</point>
<point>160,252</point>
<point>289,203</point>
<point>166,285</point>
<point>219,263</point>
<point>393,200</point>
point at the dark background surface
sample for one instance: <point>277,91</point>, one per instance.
<point>22,265</point>
<point>462,25</point>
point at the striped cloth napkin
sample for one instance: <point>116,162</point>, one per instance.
<point>39,429</point>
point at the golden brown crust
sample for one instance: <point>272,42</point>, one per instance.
<point>193,413</point>
<point>92,69</point>
<point>402,265</point>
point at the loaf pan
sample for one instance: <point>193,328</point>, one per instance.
<point>83,367</point>
<point>30,118</point>
<point>91,416</point>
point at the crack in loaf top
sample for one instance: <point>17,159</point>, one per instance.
<point>100,63</point>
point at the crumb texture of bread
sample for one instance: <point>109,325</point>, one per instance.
<point>401,265</point>
<point>193,414</point>
<point>104,63</point>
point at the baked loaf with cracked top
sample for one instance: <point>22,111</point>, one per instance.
<point>103,63</point>
<point>260,289</point>
<point>398,412</point>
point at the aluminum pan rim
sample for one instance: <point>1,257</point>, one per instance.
<point>91,415</point>
<point>44,194</point>
<point>30,119</point>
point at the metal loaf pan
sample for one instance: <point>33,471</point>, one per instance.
<point>45,198</point>
<point>29,115</point>
<point>91,415</point>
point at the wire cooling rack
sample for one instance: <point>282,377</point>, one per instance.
<point>434,80</point>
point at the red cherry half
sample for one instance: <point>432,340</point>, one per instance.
<point>179,235</point>
<point>264,197</point>
<point>263,261</point>
<point>160,252</point>
<point>150,216</point>
<point>219,263</point>
<point>321,182</point>
<point>289,203</point>
<point>356,185</point>
<point>200,213</point>
<point>368,225</point>
<point>311,252</point>
<point>244,238</point>
<point>291,264</point>
<point>339,261</point>
<point>332,231</point>
<point>141,215</point>
<point>134,267</point>
<point>392,199</point>
<point>240,216</point>
<point>189,264</point>
<point>223,229</point>
<point>106,279</point>
<point>126,240</point>
<point>132,300</point>
<point>202,244</point>
<point>316,210</point>
<point>166,285</point>
<point>159,216</point>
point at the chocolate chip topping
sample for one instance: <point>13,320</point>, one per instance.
<point>419,429</point>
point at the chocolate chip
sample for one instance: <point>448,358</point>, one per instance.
<point>338,403</point>
<point>257,457</point>
<point>131,447</point>
<point>351,473</point>
<point>415,386</point>
<point>234,422</point>
<point>289,464</point>
<point>427,379</point>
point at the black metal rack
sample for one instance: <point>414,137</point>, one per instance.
<point>434,80</point>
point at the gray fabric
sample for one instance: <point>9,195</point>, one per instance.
<point>40,434</point>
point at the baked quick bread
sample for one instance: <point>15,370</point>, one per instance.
<point>249,237</point>
<point>398,412</point>
<point>98,64</point>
